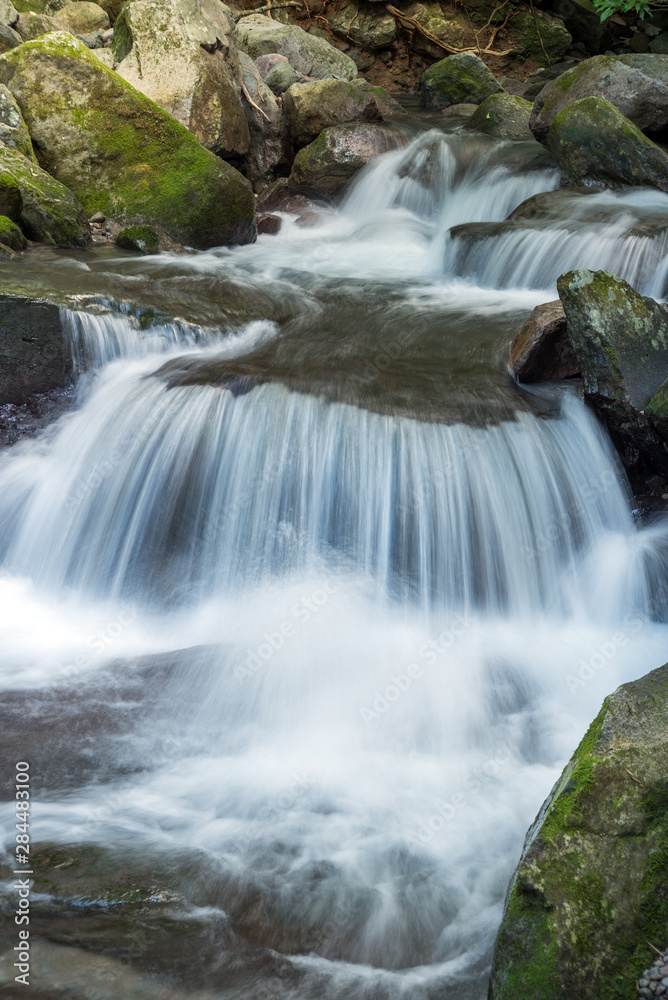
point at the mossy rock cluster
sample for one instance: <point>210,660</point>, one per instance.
<point>591,890</point>
<point>637,87</point>
<point>458,79</point>
<point>118,152</point>
<point>312,107</point>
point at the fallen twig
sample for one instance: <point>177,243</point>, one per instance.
<point>244,90</point>
<point>407,21</point>
<point>267,7</point>
<point>632,775</point>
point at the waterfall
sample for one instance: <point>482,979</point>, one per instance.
<point>313,656</point>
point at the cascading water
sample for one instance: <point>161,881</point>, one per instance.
<point>315,665</point>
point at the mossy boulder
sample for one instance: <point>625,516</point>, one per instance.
<point>641,98</point>
<point>594,143</point>
<point>535,33</point>
<point>270,143</point>
<point>311,107</point>
<point>372,28</point>
<point>43,207</point>
<point>430,16</point>
<point>182,55</point>
<point>309,54</point>
<point>142,239</point>
<point>13,130</point>
<point>620,339</point>
<point>327,165</point>
<point>591,890</point>
<point>502,116</point>
<point>82,17</point>
<point>458,79</point>
<point>11,236</point>
<point>119,152</point>
<point>31,25</point>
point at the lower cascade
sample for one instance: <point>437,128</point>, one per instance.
<point>310,607</point>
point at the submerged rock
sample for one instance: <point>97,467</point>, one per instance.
<point>327,165</point>
<point>119,152</point>
<point>189,67</point>
<point>620,339</point>
<point>636,93</point>
<point>142,239</point>
<point>593,143</point>
<point>259,35</point>
<point>591,889</point>
<point>45,209</point>
<point>502,116</point>
<point>312,107</point>
<point>270,144</point>
<point>542,350</point>
<point>458,79</point>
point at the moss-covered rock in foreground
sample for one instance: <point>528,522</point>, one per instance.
<point>594,143</point>
<point>118,152</point>
<point>458,79</point>
<point>592,887</point>
<point>10,235</point>
<point>45,209</point>
<point>620,340</point>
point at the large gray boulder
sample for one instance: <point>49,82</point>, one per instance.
<point>639,96</point>
<point>270,144</point>
<point>620,339</point>
<point>458,79</point>
<point>311,107</point>
<point>590,895</point>
<point>189,66</point>
<point>327,165</point>
<point>364,25</point>
<point>118,152</point>
<point>259,36</point>
<point>593,143</point>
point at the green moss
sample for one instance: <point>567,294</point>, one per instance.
<point>143,239</point>
<point>49,212</point>
<point>131,160</point>
<point>10,234</point>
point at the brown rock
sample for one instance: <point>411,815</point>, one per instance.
<point>268,224</point>
<point>542,350</point>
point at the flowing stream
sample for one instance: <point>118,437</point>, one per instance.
<point>305,604</point>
